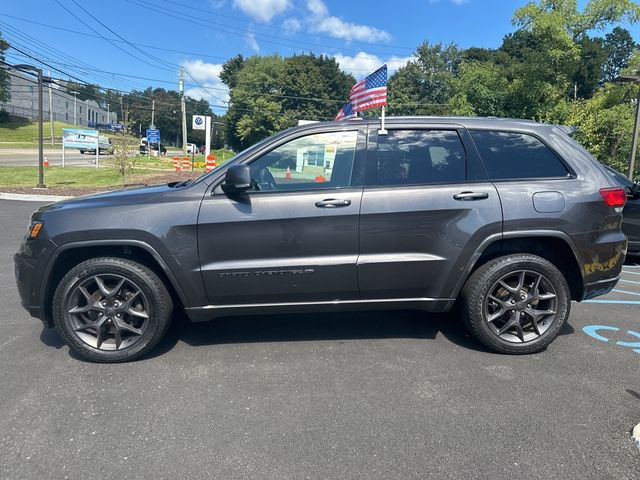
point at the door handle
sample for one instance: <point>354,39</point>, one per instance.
<point>333,203</point>
<point>467,196</point>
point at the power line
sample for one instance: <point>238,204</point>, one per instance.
<point>107,39</point>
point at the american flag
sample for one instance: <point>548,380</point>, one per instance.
<point>370,92</point>
<point>346,112</point>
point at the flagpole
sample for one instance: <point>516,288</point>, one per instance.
<point>382,131</point>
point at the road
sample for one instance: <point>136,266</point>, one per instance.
<point>393,395</point>
<point>24,157</point>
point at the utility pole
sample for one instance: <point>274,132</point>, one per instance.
<point>40,122</point>
<point>184,114</point>
<point>153,114</point>
<point>50,106</point>
<point>75,108</point>
<point>108,113</point>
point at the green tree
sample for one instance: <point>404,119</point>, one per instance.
<point>270,93</point>
<point>425,85</point>
<point>589,71</point>
<point>619,46</point>
<point>481,88</point>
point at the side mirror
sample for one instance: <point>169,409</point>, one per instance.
<point>237,179</point>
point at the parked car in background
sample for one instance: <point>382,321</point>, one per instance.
<point>104,144</point>
<point>510,220</point>
<point>631,212</point>
<point>192,148</point>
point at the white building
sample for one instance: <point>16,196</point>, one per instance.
<point>23,102</point>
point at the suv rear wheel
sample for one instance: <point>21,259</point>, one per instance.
<point>516,303</point>
<point>111,309</point>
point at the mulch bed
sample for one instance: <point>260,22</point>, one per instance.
<point>133,181</point>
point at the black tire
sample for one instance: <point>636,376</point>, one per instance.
<point>81,152</point>
<point>498,297</point>
<point>122,309</point>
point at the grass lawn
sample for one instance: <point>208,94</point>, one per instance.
<point>63,177</point>
<point>18,135</point>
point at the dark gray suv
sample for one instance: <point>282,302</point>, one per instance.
<point>509,220</point>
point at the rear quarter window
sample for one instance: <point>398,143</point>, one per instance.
<point>512,155</point>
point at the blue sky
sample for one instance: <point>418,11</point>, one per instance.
<point>161,36</point>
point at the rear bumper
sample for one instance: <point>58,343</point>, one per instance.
<point>601,287</point>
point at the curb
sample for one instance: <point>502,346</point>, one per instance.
<point>635,435</point>
<point>27,197</point>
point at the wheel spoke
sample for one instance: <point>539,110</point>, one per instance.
<point>509,324</point>
<point>122,325</point>
<point>545,296</point>
<point>137,313</point>
<point>85,309</point>
<point>101,286</point>
<point>118,337</point>
<point>536,286</point>
<point>494,316</point>
<point>534,323</point>
<point>507,287</point>
<point>520,281</point>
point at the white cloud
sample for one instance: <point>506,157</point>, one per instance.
<point>262,10</point>
<point>291,26</point>
<point>318,7</point>
<point>207,75</point>
<point>364,63</point>
<point>338,28</point>
<point>322,22</point>
<point>250,39</point>
<point>202,71</point>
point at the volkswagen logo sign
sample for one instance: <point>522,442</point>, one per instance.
<point>198,120</point>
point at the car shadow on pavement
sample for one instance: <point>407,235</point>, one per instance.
<point>310,327</point>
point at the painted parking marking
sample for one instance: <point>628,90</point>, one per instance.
<point>626,291</point>
<point>619,302</point>
<point>592,331</point>
<point>629,281</point>
<point>631,273</point>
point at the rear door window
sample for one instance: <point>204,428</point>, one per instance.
<point>418,157</point>
<point>512,155</point>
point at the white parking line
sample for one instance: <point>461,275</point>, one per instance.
<point>626,291</point>
<point>629,281</point>
<point>631,273</point>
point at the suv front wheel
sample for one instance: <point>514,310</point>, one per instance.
<point>111,309</point>
<point>516,303</point>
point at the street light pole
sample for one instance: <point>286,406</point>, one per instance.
<point>40,122</point>
<point>636,123</point>
<point>634,140</point>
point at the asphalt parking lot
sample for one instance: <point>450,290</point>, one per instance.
<point>364,396</point>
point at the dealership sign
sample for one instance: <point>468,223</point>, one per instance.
<point>199,122</point>
<point>79,138</point>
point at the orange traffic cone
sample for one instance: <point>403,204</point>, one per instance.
<point>288,174</point>
<point>46,162</point>
<point>320,179</point>
<point>186,163</point>
<point>211,162</point>
<point>176,163</point>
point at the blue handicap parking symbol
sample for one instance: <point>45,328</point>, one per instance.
<point>593,332</point>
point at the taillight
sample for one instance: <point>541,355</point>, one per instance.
<point>614,197</point>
